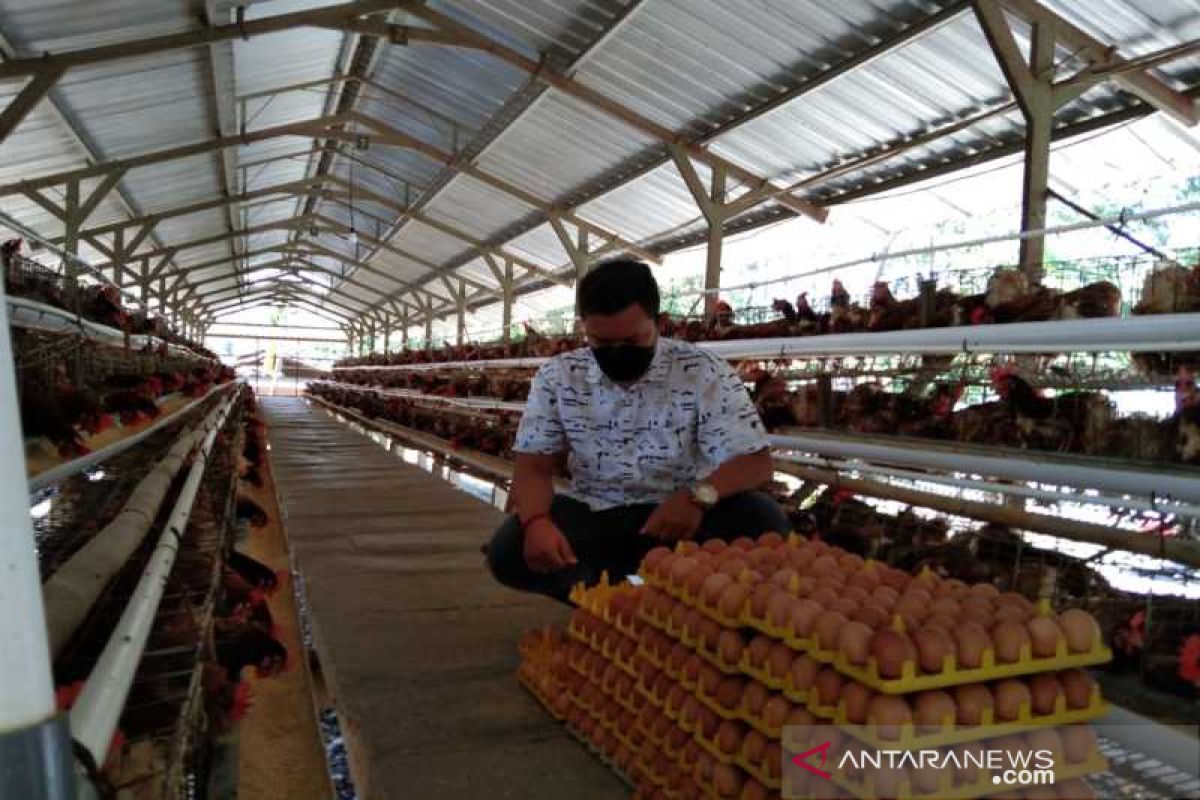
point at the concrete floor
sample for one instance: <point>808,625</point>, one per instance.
<point>417,642</point>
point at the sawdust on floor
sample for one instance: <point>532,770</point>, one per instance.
<point>281,754</point>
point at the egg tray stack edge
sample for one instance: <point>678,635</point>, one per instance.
<point>632,751</point>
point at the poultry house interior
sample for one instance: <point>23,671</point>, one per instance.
<point>599,399</point>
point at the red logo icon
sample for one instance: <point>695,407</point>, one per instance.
<point>800,759</point>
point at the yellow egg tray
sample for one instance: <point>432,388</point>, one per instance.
<point>711,748</point>
<point>757,772</point>
<point>989,670</point>
<point>1026,720</point>
<point>947,791</point>
<point>739,714</point>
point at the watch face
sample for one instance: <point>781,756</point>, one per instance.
<point>706,494</point>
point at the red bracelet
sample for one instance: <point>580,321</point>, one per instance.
<point>525,525</point>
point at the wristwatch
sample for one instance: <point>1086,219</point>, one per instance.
<point>705,495</point>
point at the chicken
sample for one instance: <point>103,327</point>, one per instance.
<point>102,303</point>
<point>844,316</point>
<point>889,314</point>
<point>1076,422</point>
<point>772,399</point>
<point>241,644</point>
<point>1170,289</point>
<point>1099,299</point>
<point>41,415</point>
<point>252,570</point>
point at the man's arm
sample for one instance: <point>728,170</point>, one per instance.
<point>742,474</point>
<point>678,517</point>
<point>540,444</point>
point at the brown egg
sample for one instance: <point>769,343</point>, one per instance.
<point>693,621</point>
<point>713,546</point>
<point>800,716</point>
<point>854,642</point>
<point>1011,695</point>
<point>654,557</point>
<point>754,746</point>
<point>695,579</point>
<point>844,606</point>
<point>891,650</point>
<point>708,722</point>
<point>743,543</point>
<point>692,668</point>
<point>775,712</point>
<point>678,656</point>
<point>779,607</point>
<point>885,596</point>
<point>779,660</point>
<point>945,605</point>
<point>1079,742</point>
<point>729,692</point>
<point>1045,690</point>
<point>828,686</point>
<point>784,577</point>
<point>730,647</point>
<point>708,633</point>
<point>1045,739</point>
<point>726,780</point>
<point>934,646</point>
<point>943,622</point>
<point>757,650</point>
<point>865,579</point>
<point>805,586</point>
<point>828,627</point>
<point>1011,612</point>
<point>1080,629</point>
<point>681,569</point>
<point>710,679</point>
<point>770,539</point>
<point>759,598</point>
<point>1014,599</point>
<point>855,699</point>
<point>970,641</point>
<point>803,672</point>
<point>872,615</point>
<point>805,614</point>
<point>911,608</point>
<point>1078,687</point>
<point>801,559</point>
<point>918,592</point>
<point>976,608</point>
<point>825,595</point>
<point>753,790</point>
<point>856,593</point>
<point>985,591</point>
<point>732,600</point>
<point>729,736</point>
<point>714,584</point>
<point>889,781</point>
<point>754,697</point>
<point>1009,639</point>
<point>971,700</point>
<point>731,563</point>
<point>934,710</point>
<point>970,756</point>
<point>823,565</point>
<point>675,698</point>
<point>888,712</point>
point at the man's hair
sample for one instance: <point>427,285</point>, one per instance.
<point>615,285</point>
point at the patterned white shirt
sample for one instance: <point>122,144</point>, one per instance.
<point>687,415</point>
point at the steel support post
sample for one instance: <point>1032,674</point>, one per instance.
<point>35,742</point>
<point>508,287</point>
<point>1039,127</point>
<point>716,240</point>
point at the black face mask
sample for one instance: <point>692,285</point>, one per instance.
<point>623,363</point>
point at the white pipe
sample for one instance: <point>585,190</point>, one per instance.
<point>96,712</point>
<point>33,315</point>
<point>26,685</point>
<point>74,466</point>
<point>1018,490</point>
<point>412,394</point>
<point>74,587</point>
<point>1162,333</point>
<point>1177,487</point>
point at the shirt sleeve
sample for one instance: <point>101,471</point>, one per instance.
<point>728,424</point>
<point>541,429</point>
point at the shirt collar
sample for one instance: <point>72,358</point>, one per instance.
<point>657,372</point>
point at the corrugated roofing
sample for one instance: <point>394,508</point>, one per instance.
<point>695,68</point>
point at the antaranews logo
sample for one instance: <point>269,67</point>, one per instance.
<point>820,759</point>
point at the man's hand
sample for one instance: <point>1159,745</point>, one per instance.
<point>677,517</point>
<point>546,549</point>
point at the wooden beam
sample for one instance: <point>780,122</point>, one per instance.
<point>21,105</point>
<point>1140,83</point>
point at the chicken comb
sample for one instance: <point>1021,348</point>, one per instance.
<point>243,701</point>
<point>66,695</point>
<point>998,374</point>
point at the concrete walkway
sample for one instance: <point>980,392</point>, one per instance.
<point>416,641</point>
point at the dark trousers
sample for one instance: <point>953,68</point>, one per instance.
<point>609,541</point>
